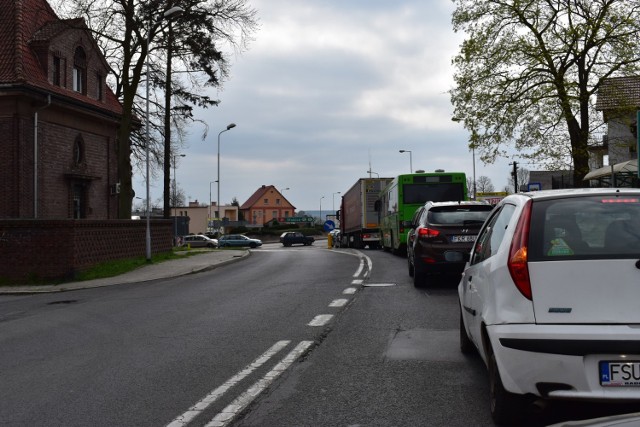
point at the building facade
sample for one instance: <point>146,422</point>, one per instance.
<point>58,118</point>
<point>266,204</point>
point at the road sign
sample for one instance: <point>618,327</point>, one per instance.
<point>291,219</point>
<point>329,225</point>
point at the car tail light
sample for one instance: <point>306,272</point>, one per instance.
<point>517,263</point>
<point>427,233</point>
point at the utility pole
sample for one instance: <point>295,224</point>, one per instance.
<point>515,176</point>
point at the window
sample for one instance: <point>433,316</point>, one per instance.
<point>78,151</point>
<point>99,86</point>
<point>492,234</point>
<point>274,214</point>
<point>79,71</point>
<point>266,201</point>
<point>55,77</point>
<point>277,201</point>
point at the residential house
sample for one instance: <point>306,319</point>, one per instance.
<point>201,217</point>
<point>59,176</point>
<point>619,101</point>
<point>266,204</point>
<point>58,118</point>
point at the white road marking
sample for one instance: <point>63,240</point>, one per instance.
<point>341,302</point>
<point>349,291</point>
<point>197,409</point>
<point>357,282</point>
<point>360,268</point>
<point>320,320</point>
<point>241,402</point>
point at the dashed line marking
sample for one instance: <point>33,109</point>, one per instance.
<point>349,291</point>
<point>241,402</point>
<point>357,282</point>
<point>341,302</point>
<point>197,409</point>
<point>320,320</point>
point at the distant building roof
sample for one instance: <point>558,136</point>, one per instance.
<point>619,92</point>
<point>258,195</point>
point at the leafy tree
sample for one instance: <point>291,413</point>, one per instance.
<point>122,28</point>
<point>527,73</point>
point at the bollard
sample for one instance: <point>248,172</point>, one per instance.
<point>330,240</point>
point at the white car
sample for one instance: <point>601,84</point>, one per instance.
<point>550,298</point>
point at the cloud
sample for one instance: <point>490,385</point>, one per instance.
<point>327,90</point>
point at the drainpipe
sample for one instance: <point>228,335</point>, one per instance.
<point>35,157</point>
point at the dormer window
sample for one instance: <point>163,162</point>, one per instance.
<point>56,70</point>
<point>79,71</point>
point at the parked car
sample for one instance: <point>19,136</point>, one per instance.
<point>441,234</point>
<point>238,240</point>
<point>289,238</point>
<point>550,298</point>
<point>199,241</point>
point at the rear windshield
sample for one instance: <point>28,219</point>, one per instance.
<point>459,215</point>
<point>585,228</point>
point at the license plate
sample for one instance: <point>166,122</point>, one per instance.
<point>620,374</point>
<point>463,239</point>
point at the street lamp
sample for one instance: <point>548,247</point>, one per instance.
<point>410,160</point>
<point>473,154</point>
<point>229,127</point>
<point>333,201</point>
<point>171,13</point>
<point>370,172</point>
<point>321,209</point>
<point>175,194</point>
<point>210,182</point>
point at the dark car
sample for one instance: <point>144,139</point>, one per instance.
<point>295,237</point>
<point>441,235</point>
<point>238,240</point>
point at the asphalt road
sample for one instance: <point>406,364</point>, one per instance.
<point>301,336</point>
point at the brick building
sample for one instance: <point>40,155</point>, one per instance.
<point>58,118</point>
<point>265,205</point>
<point>58,180</point>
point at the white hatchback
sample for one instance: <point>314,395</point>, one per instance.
<point>550,298</point>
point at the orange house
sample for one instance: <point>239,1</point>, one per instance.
<point>266,204</point>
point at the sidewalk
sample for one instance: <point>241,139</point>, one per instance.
<point>162,270</point>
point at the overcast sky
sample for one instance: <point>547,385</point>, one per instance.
<point>326,90</point>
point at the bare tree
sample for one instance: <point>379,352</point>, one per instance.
<point>484,185</point>
<point>132,35</point>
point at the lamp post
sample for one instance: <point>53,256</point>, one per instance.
<point>175,195</point>
<point>410,160</point>
<point>171,13</point>
<point>321,209</point>
<point>370,172</point>
<point>229,127</point>
<point>333,201</point>
<point>473,158</point>
<point>209,219</point>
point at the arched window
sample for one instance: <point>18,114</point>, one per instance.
<point>78,151</point>
<point>80,71</point>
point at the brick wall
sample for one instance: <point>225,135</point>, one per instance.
<point>59,249</point>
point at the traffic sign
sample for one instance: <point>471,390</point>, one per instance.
<point>329,225</point>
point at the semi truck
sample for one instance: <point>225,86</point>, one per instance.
<point>359,225</point>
